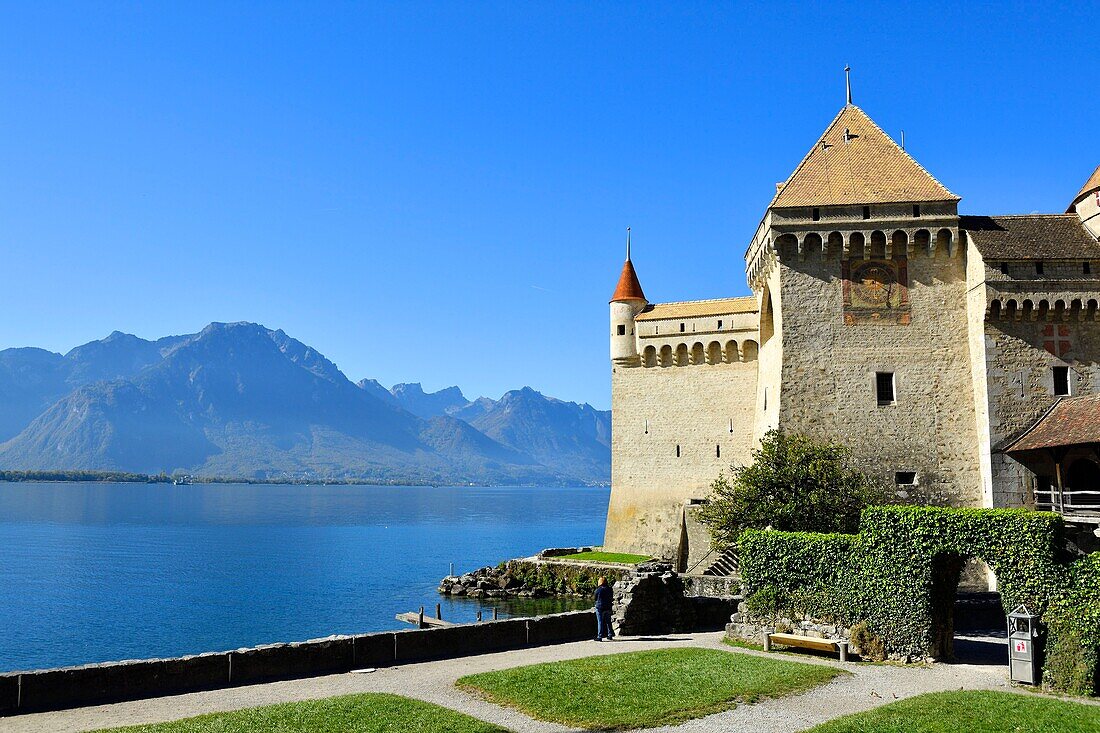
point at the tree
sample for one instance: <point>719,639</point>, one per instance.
<point>794,483</point>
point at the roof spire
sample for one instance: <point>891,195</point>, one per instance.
<point>628,244</point>
<point>848,81</point>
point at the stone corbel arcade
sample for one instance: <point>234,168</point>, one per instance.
<point>849,244</point>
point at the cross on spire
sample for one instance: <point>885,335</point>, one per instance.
<point>848,81</point>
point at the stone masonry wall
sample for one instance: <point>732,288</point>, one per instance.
<point>707,410</point>
<point>828,380</point>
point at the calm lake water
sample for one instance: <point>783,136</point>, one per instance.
<point>98,572</point>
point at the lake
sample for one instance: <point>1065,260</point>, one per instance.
<point>96,572</point>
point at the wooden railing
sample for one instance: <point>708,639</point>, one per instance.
<point>1068,502</point>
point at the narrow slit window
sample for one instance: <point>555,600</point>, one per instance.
<point>884,388</point>
<point>1061,381</point>
<point>647,427</point>
<point>677,451</point>
<point>717,451</point>
<point>622,330</point>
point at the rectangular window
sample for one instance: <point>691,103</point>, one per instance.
<point>884,387</point>
<point>681,328</point>
<point>1038,268</point>
<point>1086,268</point>
<point>1004,268</point>
<point>817,215</point>
<point>622,330</point>
<point>1061,381</point>
<point>905,478</point>
<point>866,212</point>
<point>916,211</point>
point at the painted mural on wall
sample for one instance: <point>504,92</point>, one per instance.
<point>876,291</point>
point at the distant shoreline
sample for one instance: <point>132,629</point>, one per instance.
<point>122,477</point>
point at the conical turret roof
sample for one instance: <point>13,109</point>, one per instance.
<point>1092,184</point>
<point>628,288</point>
<point>855,162</point>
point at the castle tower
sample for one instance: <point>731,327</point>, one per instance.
<point>627,302</point>
<point>1087,204</point>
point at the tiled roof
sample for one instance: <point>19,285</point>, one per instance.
<point>1031,237</point>
<point>699,308</point>
<point>868,168</point>
<point>1070,421</point>
<point>1091,184</point>
<point>628,288</point>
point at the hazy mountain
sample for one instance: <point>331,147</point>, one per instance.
<point>413,398</point>
<point>572,439</point>
<point>242,400</point>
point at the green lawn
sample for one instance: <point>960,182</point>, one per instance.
<point>644,689</point>
<point>621,558</point>
<point>368,713</point>
<point>973,712</point>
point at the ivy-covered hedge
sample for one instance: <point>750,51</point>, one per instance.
<point>899,575</point>
<point>1073,631</point>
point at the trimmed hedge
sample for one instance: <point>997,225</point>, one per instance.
<point>562,578</point>
<point>1073,632</point>
<point>900,573</point>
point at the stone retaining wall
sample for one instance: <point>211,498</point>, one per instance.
<point>54,689</point>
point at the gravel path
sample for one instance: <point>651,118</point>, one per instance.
<point>868,687</point>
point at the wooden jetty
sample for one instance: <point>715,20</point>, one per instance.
<point>420,621</point>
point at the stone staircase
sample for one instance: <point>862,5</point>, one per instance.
<point>725,566</point>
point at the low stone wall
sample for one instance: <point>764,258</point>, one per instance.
<point>713,586</point>
<point>54,689</point>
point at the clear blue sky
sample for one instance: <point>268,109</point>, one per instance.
<point>438,192</point>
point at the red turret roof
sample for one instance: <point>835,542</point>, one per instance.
<point>628,288</point>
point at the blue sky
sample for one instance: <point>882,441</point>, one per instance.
<point>438,192</point>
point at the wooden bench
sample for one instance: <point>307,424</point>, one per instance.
<point>808,642</point>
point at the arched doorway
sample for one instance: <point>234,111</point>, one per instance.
<point>968,627</point>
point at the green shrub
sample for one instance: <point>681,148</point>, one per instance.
<point>870,646</point>
<point>792,483</point>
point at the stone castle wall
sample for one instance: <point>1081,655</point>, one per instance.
<point>829,368</point>
<point>706,411</point>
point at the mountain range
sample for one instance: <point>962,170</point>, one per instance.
<point>240,400</point>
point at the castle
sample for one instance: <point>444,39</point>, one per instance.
<point>879,318</point>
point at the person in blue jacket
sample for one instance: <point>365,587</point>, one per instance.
<point>603,611</point>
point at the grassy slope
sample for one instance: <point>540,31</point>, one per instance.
<point>367,713</point>
<point>644,689</point>
<point>622,558</point>
<point>974,712</point>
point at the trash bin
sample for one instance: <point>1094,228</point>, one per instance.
<point>1025,647</point>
